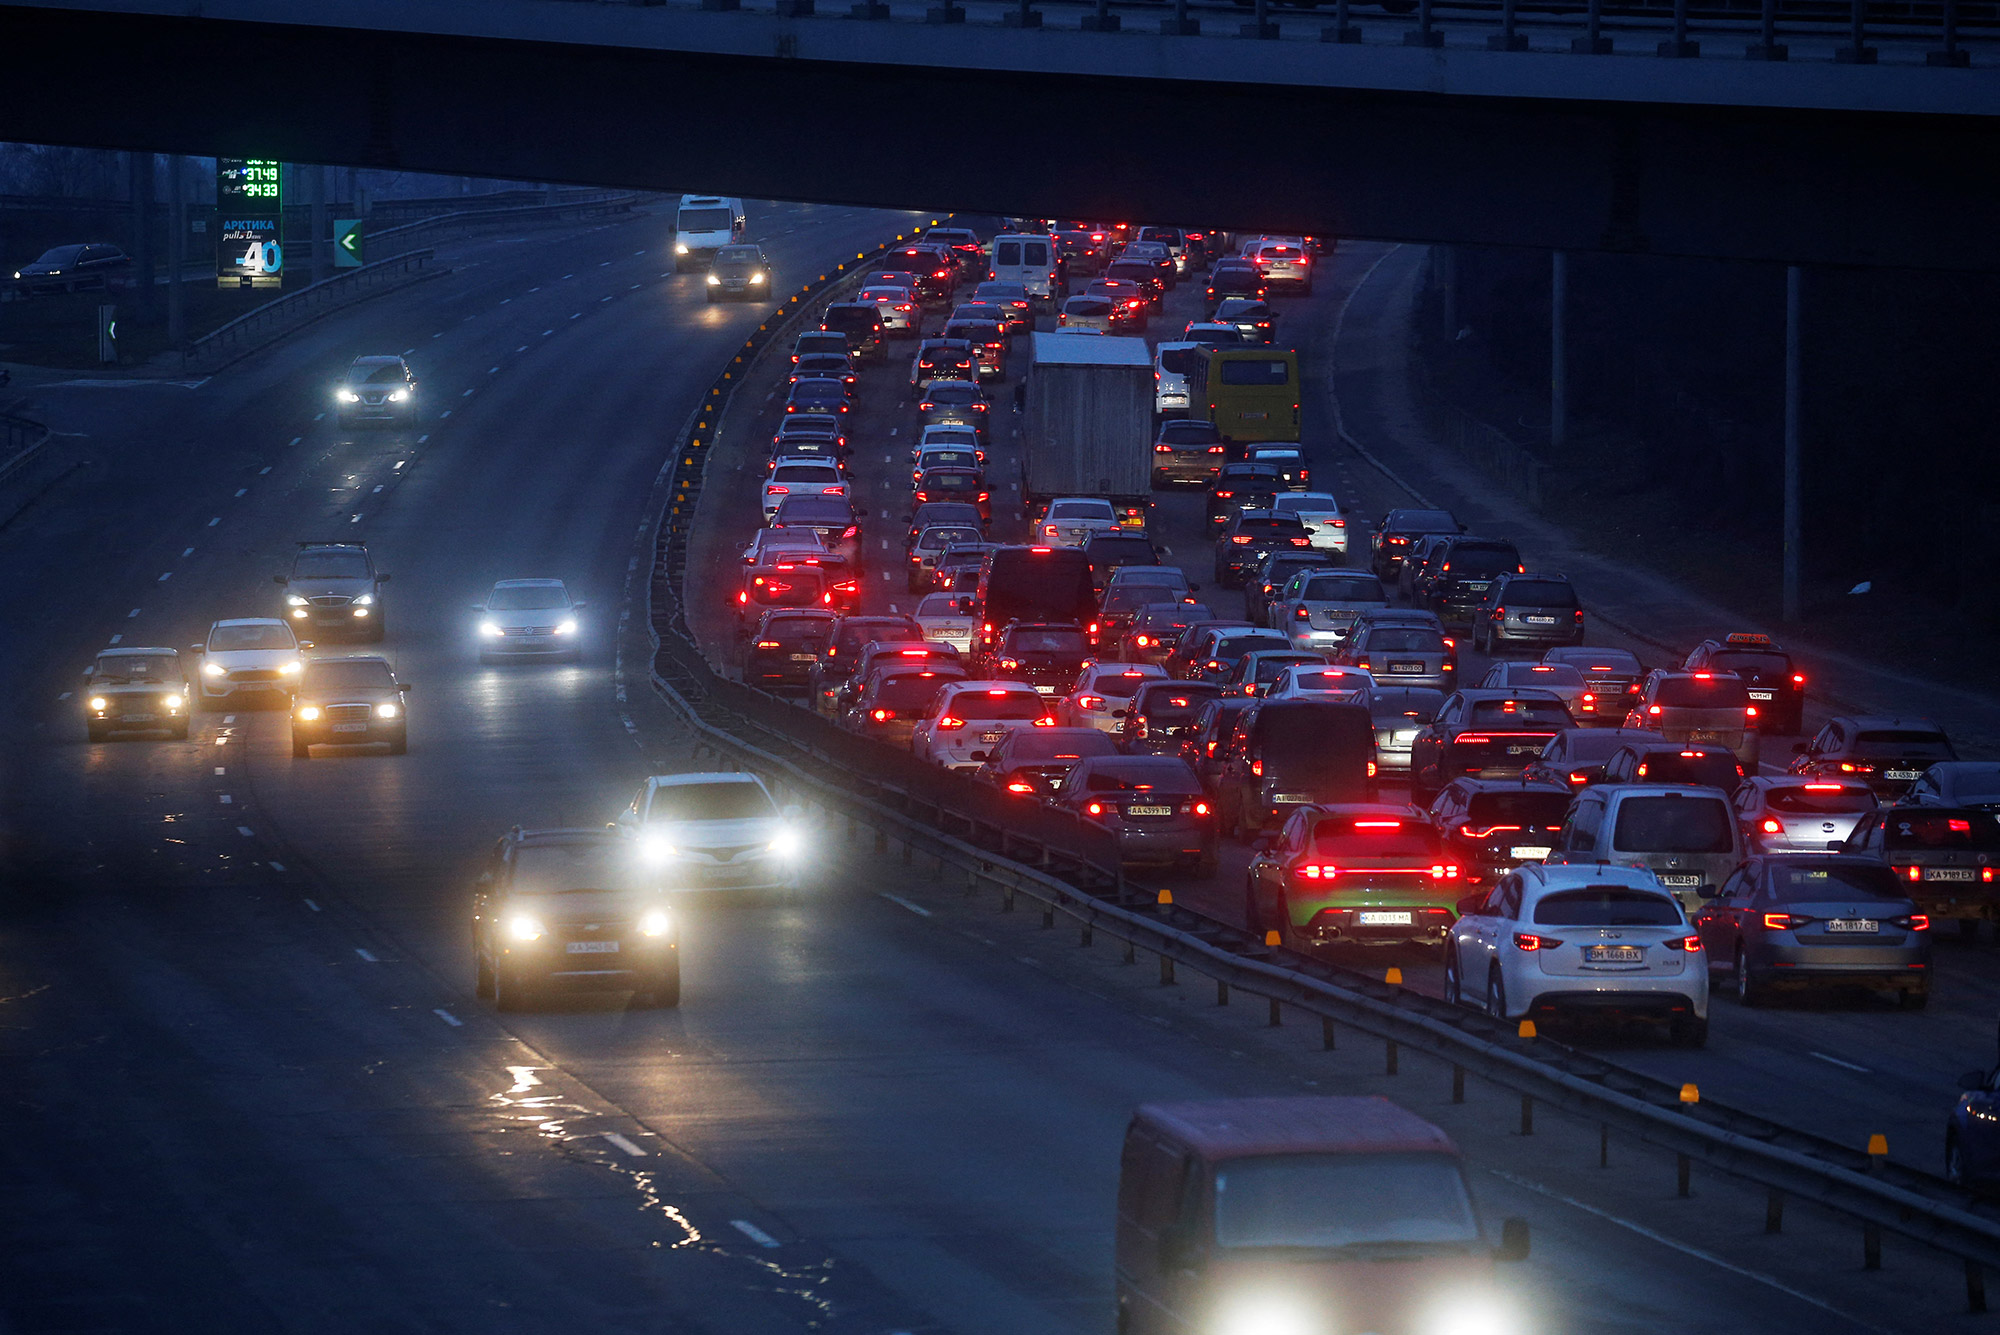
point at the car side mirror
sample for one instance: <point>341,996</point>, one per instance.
<point>910,518</point>
<point>477,607</point>
<point>1835,845</point>
<point>1801,748</point>
<point>1265,843</point>
<point>1973,1081</point>
<point>194,648</point>
<point>1470,904</point>
<point>1513,1241</point>
<point>277,579</point>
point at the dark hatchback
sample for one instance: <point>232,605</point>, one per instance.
<point>1250,537</point>
<point>820,394</point>
<point>1776,686</point>
<point>861,321</point>
<point>1490,825</point>
<point>1654,761</point>
<point>1046,656</point>
<point>1153,805</point>
<point>1888,754</point>
<point>1241,485</point>
<point>1946,859</point>
<point>1457,578</point>
<point>1108,552</point>
<point>785,648</point>
<point>1398,531</point>
<point>843,652</point>
<point>1575,757</point>
<point>1034,763</point>
<point>1162,716</point>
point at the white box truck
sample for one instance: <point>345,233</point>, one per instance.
<point>703,224</point>
<point>1087,420</point>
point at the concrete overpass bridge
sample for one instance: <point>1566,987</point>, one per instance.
<point>1852,134</point>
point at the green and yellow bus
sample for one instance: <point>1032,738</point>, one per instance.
<point>1251,394</point>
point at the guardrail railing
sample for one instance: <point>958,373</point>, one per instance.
<point>21,439</point>
<point>255,327</point>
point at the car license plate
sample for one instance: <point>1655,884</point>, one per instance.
<point>1678,878</point>
<point>1530,852</point>
<point>1045,690</point>
<point>1382,918</point>
<point>804,658</point>
<point>593,947</point>
<point>1901,775</point>
<point>1255,417</point>
<point>1763,695</point>
<point>1291,797</point>
<point>1540,621</point>
<point>1478,585</point>
<point>1406,667</point>
<point>1704,736</point>
<point>1947,873</point>
<point>137,718</point>
<point>350,727</point>
<point>1613,954</point>
<point>1149,811</point>
<point>1525,749</point>
<point>993,736</point>
<point>1853,925</point>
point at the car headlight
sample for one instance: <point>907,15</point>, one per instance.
<point>524,927</point>
<point>654,849</point>
<point>214,670</point>
<point>347,396</point>
<point>787,844</point>
<point>489,629</point>
<point>654,922</point>
<point>173,702</point>
<point>680,248</point>
<point>566,628</point>
<point>99,702</point>
<point>365,600</point>
<point>1470,1314</point>
<point>298,611</point>
<point>1267,1314</point>
<point>399,396</point>
<point>291,669</point>
<point>308,712</point>
<point>756,277</point>
<point>714,280</point>
<point>294,600</point>
<point>361,611</point>
<point>385,710</point>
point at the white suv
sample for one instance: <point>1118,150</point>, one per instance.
<point>1320,512</point>
<point>1585,937</point>
<point>714,831</point>
<point>1072,521</point>
<point>969,718</point>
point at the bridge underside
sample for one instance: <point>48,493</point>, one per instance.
<point>1736,184</point>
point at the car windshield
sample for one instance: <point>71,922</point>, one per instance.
<point>357,674</point>
<point>600,864</point>
<point>1901,742</point>
<point>525,597</point>
<point>1403,640</point>
<point>1673,825</point>
<point>740,254</point>
<point>1608,906</point>
<point>1286,524</point>
<point>137,667</point>
<point>1146,774</point>
<point>1820,799</point>
<point>330,565</point>
<point>704,220</point>
<point>1527,809</point>
<point>1332,1201</point>
<point>1119,550</point>
<point>251,637</point>
<point>1913,830</point>
<point>1791,884</point>
<point>1373,837</point>
<point>1481,562</point>
<point>1179,361</point>
<point>1540,593</point>
<point>1717,692</point>
<point>944,480</point>
<point>710,801</point>
<point>997,705</point>
<point>1519,713</point>
<point>941,605</point>
<point>1344,589</point>
<point>375,373</point>
<point>1125,597</point>
<point>1049,640</point>
<point>1081,510</point>
<point>1168,616</point>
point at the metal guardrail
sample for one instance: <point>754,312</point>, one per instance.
<point>463,220</point>
<point>21,439</point>
<point>254,328</point>
<point>1881,1196</point>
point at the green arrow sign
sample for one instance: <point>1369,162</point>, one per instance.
<point>347,243</point>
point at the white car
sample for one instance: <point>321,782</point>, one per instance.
<point>1585,937</point>
<point>714,831</point>
<point>800,477</point>
<point>1071,521</point>
<point>901,312</point>
<point>1171,364</point>
<point>249,658</point>
<point>529,618</point>
<point>948,619</point>
<point>789,542</point>
<point>1283,261</point>
<point>947,436</point>
<point>1320,608</point>
<point>968,719</point>
<point>1320,513</point>
<point>1315,681</point>
<point>1103,690</point>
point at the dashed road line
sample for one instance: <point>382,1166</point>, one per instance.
<point>626,1144</point>
<point>444,414</point>
<point>220,770</point>
<point>297,439</point>
<point>917,909</point>
<point>213,522</point>
<point>279,866</point>
<point>265,469</point>
<point>421,439</point>
<point>1847,1065</point>
<point>314,907</point>
<point>447,1017</point>
<point>63,696</point>
<point>366,956</point>
<point>752,1232</point>
<point>225,799</point>
<point>246,832</point>
<point>241,492</point>
<point>164,577</point>
<point>186,552</point>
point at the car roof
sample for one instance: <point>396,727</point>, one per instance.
<point>702,777</point>
<point>1542,878</point>
<point>249,621</point>
<point>1862,722</point>
<point>527,584</point>
<point>1298,1124</point>
<point>132,651</point>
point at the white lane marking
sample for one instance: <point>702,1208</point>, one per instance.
<point>577,316</point>
<point>116,638</point>
<point>275,866</point>
<point>164,578</point>
<point>493,370</point>
<point>442,415</point>
<point>888,458</point>
<point>633,288</point>
<point>547,332</point>
<point>892,431</point>
<point>321,417</point>
<point>567,275</point>
<point>225,799</point>
<point>408,351</point>
<point>241,492</point>
<point>314,907</point>
<point>637,254</point>
<point>65,696</point>
<point>297,439</point>
<point>438,334</point>
<point>1681,1247</point>
<point>536,288</point>
<point>186,552</point>
<point>522,348</point>
<point>1845,1065</point>
<point>246,832</point>
<point>625,1144</point>
<point>401,462</point>
<point>605,297</point>
<point>213,522</point>
<point>752,1232</point>
<point>885,575</point>
<point>220,769</point>
<point>366,956</point>
<point>917,909</point>
<point>505,300</point>
<point>229,718</point>
<point>354,519</point>
<point>447,1017</point>
<point>378,487</point>
<point>466,395</point>
<point>265,469</point>
<point>604,264</point>
<point>421,439</point>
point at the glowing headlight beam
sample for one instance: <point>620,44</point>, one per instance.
<point>654,922</point>
<point>524,927</point>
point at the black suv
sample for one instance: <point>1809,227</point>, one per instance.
<point>1240,486</point>
<point>785,648</point>
<point>1887,754</point>
<point>861,321</point>
<point>1047,655</point>
<point>1396,532</point>
<point>1776,686</point>
<point>1250,538</point>
<point>1457,578</point>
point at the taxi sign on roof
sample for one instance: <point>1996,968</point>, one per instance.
<point>1746,637</point>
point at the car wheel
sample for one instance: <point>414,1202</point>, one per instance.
<point>1914,998</point>
<point>301,750</point>
<point>1688,1031</point>
<point>1496,995</point>
<point>1954,1160</point>
<point>1454,985</point>
<point>97,731</point>
<point>665,992</point>
<point>482,976</point>
<point>400,747</point>
<point>509,992</point>
<point>1749,992</point>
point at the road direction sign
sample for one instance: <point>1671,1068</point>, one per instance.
<point>347,243</point>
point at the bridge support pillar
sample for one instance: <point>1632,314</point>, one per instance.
<point>1789,609</point>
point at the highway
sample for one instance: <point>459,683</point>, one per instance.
<point>249,1086</point>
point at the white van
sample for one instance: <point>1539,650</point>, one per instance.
<point>1027,259</point>
<point>703,225</point>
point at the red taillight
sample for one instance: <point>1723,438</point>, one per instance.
<point>1241,539</point>
<point>1652,709</point>
<point>768,644</point>
<point>1316,871</point>
<point>1914,873</point>
<point>1529,941</point>
<point>1749,711</point>
<point>1489,831</point>
<point>1090,702</point>
<point>1772,827</point>
<point>1201,808</point>
<point>1018,787</point>
<point>1576,778</point>
<point>1257,768</point>
<point>1920,922</point>
<point>1163,449</point>
<point>1779,922</point>
<point>950,724</point>
<point>1798,679</point>
<point>883,715</point>
<point>1442,871</point>
<point>1095,808</point>
<point>1691,944</point>
<point>777,489</point>
<point>1046,721</point>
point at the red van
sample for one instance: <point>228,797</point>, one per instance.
<point>1251,1216</point>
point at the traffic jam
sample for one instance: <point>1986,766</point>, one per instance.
<point>1047,508</point>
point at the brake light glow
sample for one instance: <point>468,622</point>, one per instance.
<point>1772,827</point>
<point>1798,679</point>
<point>950,724</point>
<point>1691,944</point>
<point>1529,941</point>
<point>1486,833</point>
<point>1920,922</point>
<point>1018,787</point>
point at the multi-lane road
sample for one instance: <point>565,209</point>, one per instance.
<point>249,1087</point>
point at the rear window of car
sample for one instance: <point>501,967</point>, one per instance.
<point>1175,701</point>
<point>1762,662</point>
<point>997,705</point>
<point>1403,640</point>
<point>1544,675</point>
<point>1087,306</point>
<point>1607,906</point>
<point>1142,774</point>
<point>1715,768</point>
<point>953,392</point>
<point>1373,837</point>
<point>787,588</point>
<point>1912,831</point>
<point>1519,713</point>
<point>347,675</point>
<point>1841,880</point>
<point>1903,742</point>
<point>1540,593</point>
<point>1406,706</point>
<point>1719,692</point>
<point>1421,521</point>
<point>1348,589</point>
<point>1256,371</point>
<point>805,473</point>
<point>1179,361</point>
<point>815,510</point>
<point>856,317</point>
<point>948,481</point>
<point>1482,561</point>
<point>1270,524</point>
<point>1690,824</point>
<point>1523,809</point>
<point>1601,661</point>
<point>1824,799</point>
<point>1120,551</point>
<point>908,691</point>
<point>1046,640</point>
